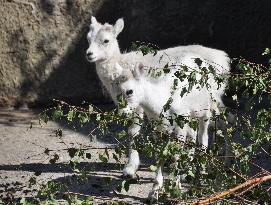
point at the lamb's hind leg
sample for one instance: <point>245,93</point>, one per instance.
<point>158,183</point>
<point>133,158</point>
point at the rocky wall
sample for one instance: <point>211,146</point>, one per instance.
<point>37,59</point>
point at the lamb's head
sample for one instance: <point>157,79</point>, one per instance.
<point>132,88</point>
<point>102,39</point>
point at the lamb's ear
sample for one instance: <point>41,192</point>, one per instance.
<point>94,23</point>
<point>140,70</point>
<point>119,25</point>
<point>93,20</point>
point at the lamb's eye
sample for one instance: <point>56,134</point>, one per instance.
<point>129,92</point>
<point>106,41</point>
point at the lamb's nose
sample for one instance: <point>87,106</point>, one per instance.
<point>129,92</point>
<point>89,54</point>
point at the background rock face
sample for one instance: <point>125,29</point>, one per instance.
<point>42,54</point>
<point>42,51</point>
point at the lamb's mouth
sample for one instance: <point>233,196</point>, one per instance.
<point>128,97</point>
<point>90,59</point>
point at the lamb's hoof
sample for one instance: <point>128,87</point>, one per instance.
<point>153,197</point>
<point>129,172</point>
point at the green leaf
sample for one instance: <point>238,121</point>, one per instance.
<point>153,168</point>
<point>98,117</point>
<point>184,91</point>
<point>44,117</point>
<point>165,152</point>
<point>88,201</point>
<point>90,109</point>
<point>121,134</point>
<point>198,61</point>
<point>23,201</point>
<point>57,114</point>
<point>126,185</point>
<point>103,158</point>
<point>266,52</point>
<point>121,102</point>
<point>193,123</point>
<point>190,173</point>
<point>83,118</point>
<point>166,69</point>
<point>71,115</point>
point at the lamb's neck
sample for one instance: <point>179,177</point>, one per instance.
<point>154,99</point>
<point>113,59</point>
<point>106,68</point>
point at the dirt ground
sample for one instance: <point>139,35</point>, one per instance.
<point>22,154</point>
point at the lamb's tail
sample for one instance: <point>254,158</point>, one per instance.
<point>220,61</point>
<point>216,58</point>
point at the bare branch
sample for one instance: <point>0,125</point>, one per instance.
<point>249,183</point>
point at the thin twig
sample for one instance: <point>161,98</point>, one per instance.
<point>218,196</point>
<point>265,152</point>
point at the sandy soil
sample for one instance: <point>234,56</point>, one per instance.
<point>22,154</point>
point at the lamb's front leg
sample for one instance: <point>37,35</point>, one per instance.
<point>203,141</point>
<point>158,183</point>
<point>203,132</point>
<point>133,159</point>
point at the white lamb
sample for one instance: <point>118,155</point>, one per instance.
<point>153,93</point>
<point>104,51</point>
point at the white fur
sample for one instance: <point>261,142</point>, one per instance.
<point>106,55</point>
<point>133,163</point>
<point>104,51</point>
<point>152,94</point>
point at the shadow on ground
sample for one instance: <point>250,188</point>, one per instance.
<point>97,183</point>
